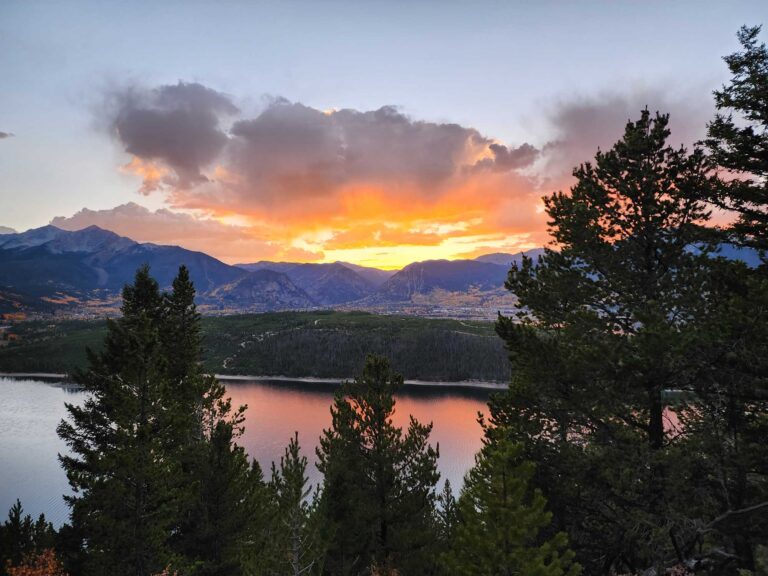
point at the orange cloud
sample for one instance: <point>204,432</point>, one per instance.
<point>364,223</point>
<point>373,187</point>
<point>296,181</point>
<point>152,174</point>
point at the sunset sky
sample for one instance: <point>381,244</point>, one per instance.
<point>375,132</point>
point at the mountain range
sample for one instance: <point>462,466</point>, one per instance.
<point>50,271</point>
<point>53,271</point>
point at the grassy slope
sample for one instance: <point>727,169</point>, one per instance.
<point>322,344</point>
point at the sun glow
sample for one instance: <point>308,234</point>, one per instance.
<point>235,220</point>
<point>396,257</point>
<point>386,223</point>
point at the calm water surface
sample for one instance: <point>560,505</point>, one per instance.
<point>30,411</point>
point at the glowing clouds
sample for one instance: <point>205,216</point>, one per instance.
<point>320,180</point>
<point>373,186</point>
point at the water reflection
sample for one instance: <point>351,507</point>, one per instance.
<point>30,410</point>
<point>29,468</point>
<point>277,409</point>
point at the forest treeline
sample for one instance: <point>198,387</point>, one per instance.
<point>589,465</point>
<point>333,344</point>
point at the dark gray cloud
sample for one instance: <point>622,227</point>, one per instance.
<point>294,149</point>
<point>582,125</point>
<point>291,151</point>
<point>5,135</point>
<point>386,145</point>
<point>177,125</point>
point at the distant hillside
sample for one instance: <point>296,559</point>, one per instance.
<point>448,275</point>
<point>267,265</point>
<point>49,271</point>
<point>330,284</point>
<point>261,290</point>
<point>455,288</point>
<point>329,273</point>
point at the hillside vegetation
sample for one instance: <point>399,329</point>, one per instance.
<point>320,344</point>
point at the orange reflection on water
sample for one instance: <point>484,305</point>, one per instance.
<point>278,409</point>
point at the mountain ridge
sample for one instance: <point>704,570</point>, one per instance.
<point>71,267</point>
<point>260,291</point>
<point>448,275</point>
<point>48,270</point>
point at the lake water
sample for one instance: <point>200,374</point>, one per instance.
<point>30,410</point>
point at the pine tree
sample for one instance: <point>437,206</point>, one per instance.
<point>118,469</point>
<point>22,537</point>
<point>379,484</point>
<point>159,481</point>
<point>728,422</point>
<point>295,532</point>
<point>726,426</point>
<point>446,515</point>
<point>189,390</point>
<point>603,332</point>
<point>501,519</point>
<point>223,508</point>
<point>738,140</point>
<point>182,335</point>
<point>219,494</point>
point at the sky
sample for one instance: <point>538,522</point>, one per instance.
<point>375,132</point>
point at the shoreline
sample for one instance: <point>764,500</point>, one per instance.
<point>477,384</point>
<point>471,384</point>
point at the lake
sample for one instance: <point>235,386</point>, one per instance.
<point>30,410</point>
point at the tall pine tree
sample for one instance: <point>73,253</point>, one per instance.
<point>737,139</point>
<point>220,494</point>
<point>158,478</point>
<point>727,423</point>
<point>602,335</point>
<point>119,469</point>
<point>379,483</point>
